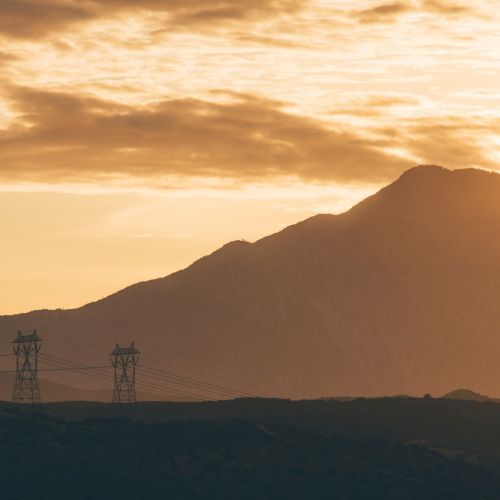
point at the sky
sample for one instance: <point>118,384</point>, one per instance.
<point>136,137</point>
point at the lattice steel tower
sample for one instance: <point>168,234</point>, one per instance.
<point>26,349</point>
<point>124,361</point>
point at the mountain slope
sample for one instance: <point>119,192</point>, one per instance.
<point>398,295</point>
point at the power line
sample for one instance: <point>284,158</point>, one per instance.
<point>73,368</point>
<point>56,369</point>
<point>189,385</point>
<point>83,370</point>
<point>149,385</point>
<point>171,378</point>
<point>159,382</point>
<point>200,383</point>
<point>90,372</point>
<point>52,363</point>
<point>57,359</point>
<point>146,385</point>
<point>171,390</point>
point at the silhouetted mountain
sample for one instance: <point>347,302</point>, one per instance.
<point>398,295</point>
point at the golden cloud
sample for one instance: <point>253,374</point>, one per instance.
<point>446,8</point>
<point>390,11</point>
<point>35,18</point>
<point>452,141</point>
<point>375,105</point>
<point>70,137</point>
<point>382,12</point>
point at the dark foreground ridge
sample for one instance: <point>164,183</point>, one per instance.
<point>402,448</point>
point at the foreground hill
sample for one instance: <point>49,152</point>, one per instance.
<point>399,295</point>
<point>384,448</point>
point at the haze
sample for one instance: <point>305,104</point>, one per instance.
<point>136,137</point>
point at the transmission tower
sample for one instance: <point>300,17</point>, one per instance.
<point>124,361</point>
<point>26,349</point>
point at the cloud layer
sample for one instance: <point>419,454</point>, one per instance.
<point>388,12</point>
<point>36,18</point>
<point>70,137</point>
<point>315,90</point>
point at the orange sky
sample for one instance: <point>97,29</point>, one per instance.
<point>138,136</point>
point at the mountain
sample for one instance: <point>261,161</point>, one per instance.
<point>399,295</point>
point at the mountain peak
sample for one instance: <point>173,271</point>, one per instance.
<point>433,188</point>
<point>427,170</point>
<point>437,172</point>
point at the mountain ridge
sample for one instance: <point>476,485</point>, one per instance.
<point>396,295</point>
<point>240,243</point>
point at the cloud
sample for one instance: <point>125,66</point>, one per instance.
<point>388,12</point>
<point>7,57</point>
<point>36,18</point>
<point>451,141</point>
<point>62,137</point>
<point>446,8</point>
<point>388,100</point>
<point>375,105</point>
<point>229,10</point>
<point>68,137</point>
<point>33,18</point>
<point>269,41</point>
<point>382,12</point>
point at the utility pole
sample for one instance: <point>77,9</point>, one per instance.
<point>26,349</point>
<point>124,361</point>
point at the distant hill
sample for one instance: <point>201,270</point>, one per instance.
<point>399,295</point>
<point>468,395</point>
<point>53,391</point>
